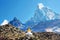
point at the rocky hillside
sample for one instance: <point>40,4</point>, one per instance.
<point>47,36</point>
<point>9,32</point>
<point>43,36</point>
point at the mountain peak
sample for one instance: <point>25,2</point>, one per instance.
<point>15,18</point>
<point>4,22</point>
<point>16,22</point>
<point>40,5</point>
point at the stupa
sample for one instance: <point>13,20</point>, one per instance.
<point>29,33</point>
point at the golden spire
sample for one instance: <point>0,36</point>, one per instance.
<point>28,30</point>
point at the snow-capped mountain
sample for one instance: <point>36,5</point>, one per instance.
<point>42,13</point>
<point>4,22</point>
<point>15,22</point>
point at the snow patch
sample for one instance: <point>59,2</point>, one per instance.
<point>4,22</point>
<point>54,29</point>
<point>50,15</point>
<point>40,5</point>
<point>49,30</point>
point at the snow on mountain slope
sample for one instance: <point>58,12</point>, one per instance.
<point>53,29</point>
<point>4,22</point>
<point>40,5</point>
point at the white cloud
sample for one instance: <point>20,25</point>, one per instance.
<point>4,22</point>
<point>40,5</point>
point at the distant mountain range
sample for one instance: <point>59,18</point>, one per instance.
<point>53,25</point>
<point>44,19</point>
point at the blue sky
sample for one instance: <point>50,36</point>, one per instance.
<point>24,9</point>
